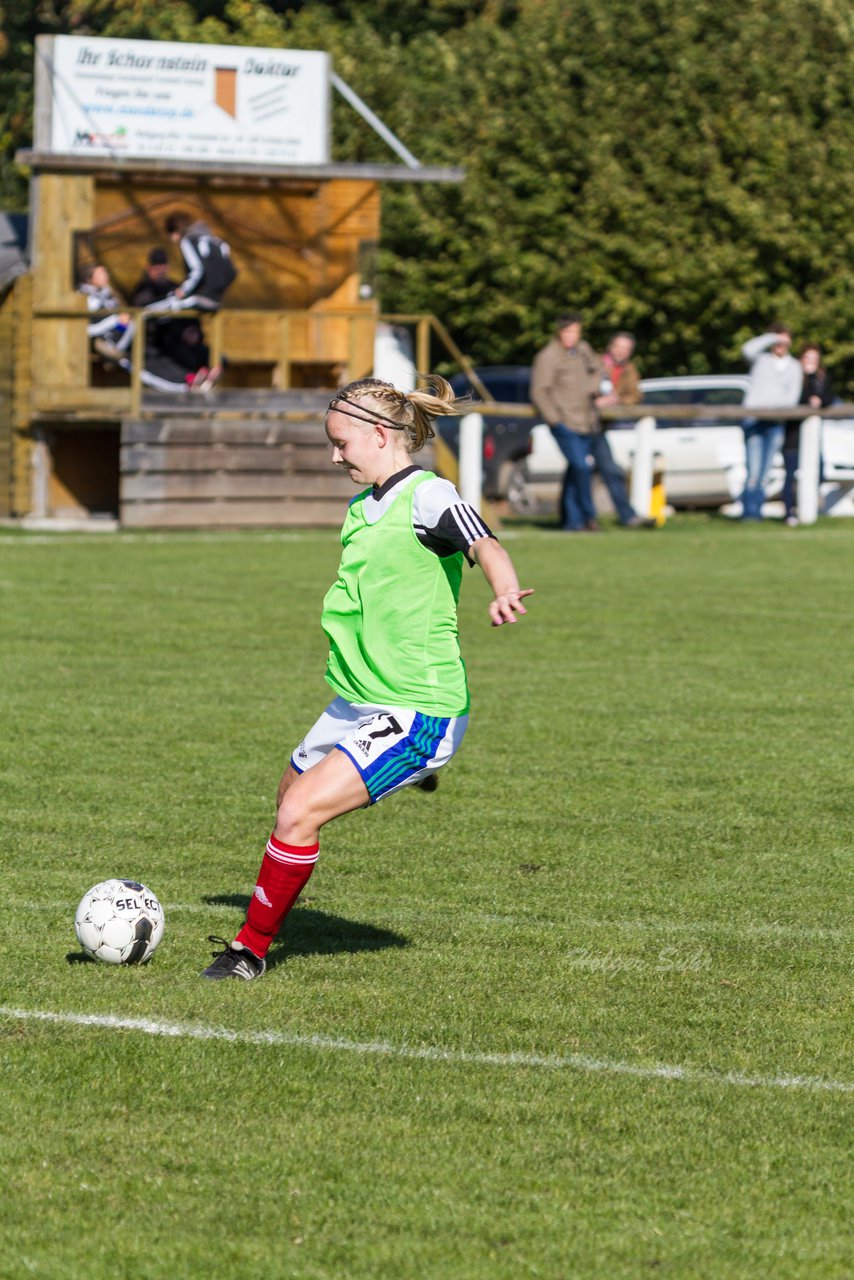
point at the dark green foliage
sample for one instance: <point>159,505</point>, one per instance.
<point>683,169</point>
<point>677,170</point>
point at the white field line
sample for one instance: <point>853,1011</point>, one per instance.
<point>124,538</point>
<point>430,1053</point>
<point>771,928</point>
<point>416,910</point>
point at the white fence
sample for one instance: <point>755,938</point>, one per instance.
<point>643,452</point>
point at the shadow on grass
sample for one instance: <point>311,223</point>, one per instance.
<point>308,932</point>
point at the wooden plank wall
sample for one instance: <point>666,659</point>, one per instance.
<point>297,246</point>
<point>63,204</point>
<point>186,472</point>
<point>20,458</point>
<point>7,382</point>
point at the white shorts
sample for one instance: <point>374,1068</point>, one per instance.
<point>390,746</point>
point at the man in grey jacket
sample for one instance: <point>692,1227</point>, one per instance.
<point>564,379</point>
<point>776,378</point>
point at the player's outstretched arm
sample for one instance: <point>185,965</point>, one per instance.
<point>499,572</point>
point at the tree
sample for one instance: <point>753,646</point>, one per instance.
<point>18,29</point>
<point>682,168</point>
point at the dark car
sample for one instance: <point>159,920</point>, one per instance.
<point>506,438</point>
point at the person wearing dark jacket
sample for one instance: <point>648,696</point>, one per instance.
<point>816,391</point>
<point>154,284</point>
<point>207,258</point>
<point>179,341</point>
<point>210,271</point>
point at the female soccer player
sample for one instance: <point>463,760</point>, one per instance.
<point>401,704</point>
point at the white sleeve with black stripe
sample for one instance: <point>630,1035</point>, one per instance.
<point>194,264</point>
<point>443,522</point>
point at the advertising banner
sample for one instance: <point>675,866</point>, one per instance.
<point>153,99</point>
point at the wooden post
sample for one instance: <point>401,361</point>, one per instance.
<point>137,363</point>
<point>352,349</point>
<point>40,473</point>
<point>463,361</point>
<point>216,339</point>
<point>283,369</point>
<point>422,345</point>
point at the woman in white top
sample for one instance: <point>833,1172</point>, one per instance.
<point>775,383</point>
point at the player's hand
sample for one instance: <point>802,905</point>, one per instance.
<point>505,607</point>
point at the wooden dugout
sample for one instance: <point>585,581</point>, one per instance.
<point>301,314</point>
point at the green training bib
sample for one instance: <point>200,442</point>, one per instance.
<point>391,615</point>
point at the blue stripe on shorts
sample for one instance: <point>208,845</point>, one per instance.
<point>406,757</point>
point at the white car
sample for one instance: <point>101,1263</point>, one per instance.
<point>702,460</point>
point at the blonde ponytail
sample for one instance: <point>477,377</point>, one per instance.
<point>411,412</point>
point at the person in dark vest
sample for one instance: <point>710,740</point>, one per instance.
<point>210,271</point>
<point>207,258</point>
<point>155,283</point>
<point>173,347</point>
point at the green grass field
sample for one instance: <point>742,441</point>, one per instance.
<point>581,1013</point>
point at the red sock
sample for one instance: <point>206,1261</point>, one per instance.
<point>284,873</point>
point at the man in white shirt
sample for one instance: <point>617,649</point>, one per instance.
<point>775,383</point>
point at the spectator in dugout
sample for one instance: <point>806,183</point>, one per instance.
<point>111,334</point>
<point>155,283</point>
<point>207,259</point>
<point>175,349</point>
<point>210,271</point>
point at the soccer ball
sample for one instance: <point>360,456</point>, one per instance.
<point>120,922</point>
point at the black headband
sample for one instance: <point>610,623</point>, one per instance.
<point>368,415</point>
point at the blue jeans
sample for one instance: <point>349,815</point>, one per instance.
<point>576,499</point>
<point>612,476</point>
<point>761,442</point>
<point>790,490</point>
